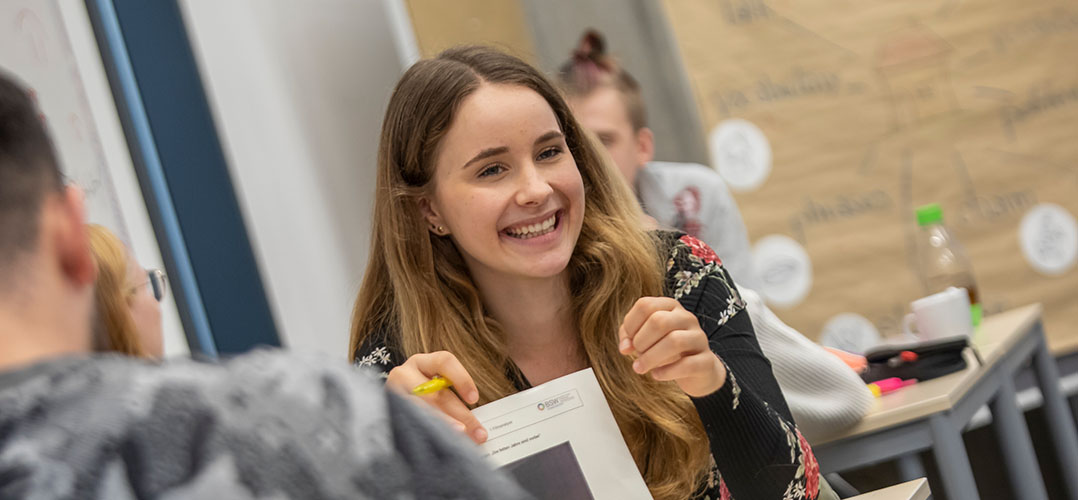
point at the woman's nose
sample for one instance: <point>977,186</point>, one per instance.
<point>534,188</point>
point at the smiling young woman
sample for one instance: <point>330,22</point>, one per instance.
<point>506,252</point>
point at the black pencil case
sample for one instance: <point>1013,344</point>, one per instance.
<point>919,360</point>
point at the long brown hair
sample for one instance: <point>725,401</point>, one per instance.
<point>114,327</point>
<point>417,289</point>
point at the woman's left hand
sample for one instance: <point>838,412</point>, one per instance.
<point>670,344</point>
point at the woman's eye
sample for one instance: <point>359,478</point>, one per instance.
<point>549,153</point>
<point>491,170</point>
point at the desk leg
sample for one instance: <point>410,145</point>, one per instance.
<point>955,471</point>
<point>910,467</point>
<point>1016,445</point>
<point>1060,421</point>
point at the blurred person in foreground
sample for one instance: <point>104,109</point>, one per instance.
<point>264,425</point>
<point>127,299</point>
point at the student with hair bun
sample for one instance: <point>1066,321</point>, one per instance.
<point>687,196</point>
<point>823,393</point>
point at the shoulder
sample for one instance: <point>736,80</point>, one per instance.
<point>268,384</point>
<point>684,251</point>
<point>687,188</point>
<point>379,352</point>
<point>686,173</point>
<point>696,277</point>
<point>231,412</point>
<point>301,384</point>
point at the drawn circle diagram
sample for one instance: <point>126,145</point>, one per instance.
<point>850,332</point>
<point>741,153</point>
<point>1048,236</point>
<point>784,269</point>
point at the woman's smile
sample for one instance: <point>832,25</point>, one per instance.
<point>535,231</point>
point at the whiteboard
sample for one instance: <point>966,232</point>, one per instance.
<point>49,45</point>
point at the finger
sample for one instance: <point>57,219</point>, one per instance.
<point>450,421</point>
<point>697,365</point>
<point>447,365</point>
<point>451,405</point>
<point>674,346</point>
<point>402,379</point>
<point>638,314</point>
<point>446,403</point>
<point>659,324</point>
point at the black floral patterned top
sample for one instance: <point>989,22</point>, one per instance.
<point>757,451</point>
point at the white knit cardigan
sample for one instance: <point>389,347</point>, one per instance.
<point>823,393</point>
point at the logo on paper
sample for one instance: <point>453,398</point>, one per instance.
<point>555,401</point>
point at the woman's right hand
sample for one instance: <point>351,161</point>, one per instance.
<point>421,368</point>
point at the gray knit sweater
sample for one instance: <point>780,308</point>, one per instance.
<point>264,425</point>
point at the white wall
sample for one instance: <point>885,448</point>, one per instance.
<point>298,91</point>
<point>50,46</point>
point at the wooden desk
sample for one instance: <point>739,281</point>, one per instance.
<point>932,414</point>
<point>912,490</point>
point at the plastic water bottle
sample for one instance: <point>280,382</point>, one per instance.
<point>942,262</point>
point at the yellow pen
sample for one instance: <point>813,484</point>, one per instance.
<point>435,384</point>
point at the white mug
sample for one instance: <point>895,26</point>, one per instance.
<point>940,315</point>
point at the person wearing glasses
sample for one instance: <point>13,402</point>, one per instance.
<point>127,298</point>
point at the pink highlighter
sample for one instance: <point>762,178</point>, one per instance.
<point>881,387</point>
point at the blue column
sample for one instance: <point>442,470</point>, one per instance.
<point>183,174</point>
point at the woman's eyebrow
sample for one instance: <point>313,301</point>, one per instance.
<point>487,153</point>
<point>553,134</point>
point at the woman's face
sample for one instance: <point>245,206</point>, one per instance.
<point>506,188</point>
<point>145,310</point>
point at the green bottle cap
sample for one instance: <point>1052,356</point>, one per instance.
<point>929,214</point>
<point>976,313</point>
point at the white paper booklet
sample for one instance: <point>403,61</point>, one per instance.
<point>560,441</point>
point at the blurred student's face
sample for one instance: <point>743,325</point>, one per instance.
<point>603,112</point>
<point>506,188</point>
<point>145,310</point>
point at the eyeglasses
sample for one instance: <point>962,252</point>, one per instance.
<point>158,282</point>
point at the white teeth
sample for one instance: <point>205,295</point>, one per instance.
<point>533,230</point>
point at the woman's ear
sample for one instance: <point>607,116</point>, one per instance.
<point>431,213</point>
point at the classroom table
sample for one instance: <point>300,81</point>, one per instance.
<point>911,490</point>
<point>933,414</point>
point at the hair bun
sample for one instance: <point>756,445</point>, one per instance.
<point>593,44</point>
<point>590,66</point>
<point>592,48</point>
